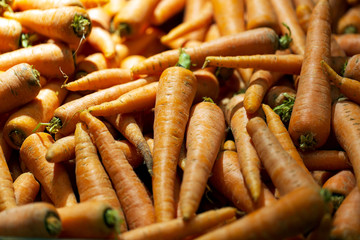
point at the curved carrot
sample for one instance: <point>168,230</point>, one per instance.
<point>260,14</point>
<point>22,5</point>
<point>53,178</point>
<point>206,129</point>
<point>100,39</point>
<point>313,98</point>
<point>165,10</point>
<point>61,150</point>
<point>26,188</point>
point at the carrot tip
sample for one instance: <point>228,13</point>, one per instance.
<point>53,224</point>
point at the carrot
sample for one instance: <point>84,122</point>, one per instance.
<point>165,10</point>
<point>179,229</point>
<point>283,169</point>
<point>349,43</point>
<point>19,85</point>
<point>322,231</point>
<point>344,123</point>
<point>277,127</point>
<point>204,115</point>
<point>303,9</point>
<point>346,221</point>
<point>10,33</point>
<point>229,145</point>
<point>100,18</point>
<point>68,24</point>
<point>138,45</point>
<point>336,50</point>
<point>57,56</point>
<point>113,6</point>
<point>313,98</point>
<point>127,125</point>
<point>321,176</point>
<point>61,150</point>
<point>100,79</point>
<point>138,99</point>
<point>133,18</point>
<point>14,166</point>
<point>330,160</point>
<point>92,219</point>
<point>22,5</point>
<point>248,158</point>
<point>348,87</point>
<point>175,94</point>
<point>131,60</point>
<point>349,22</point>
<point>100,39</point>
<point>257,41</point>
<point>351,67</point>
<point>281,98</point>
<point>37,220</point>
<point>51,176</point>
<point>131,153</point>
<point>29,118</point>
<point>208,85</point>
<point>95,62</point>
<point>94,3</point>
<point>260,14</point>
<point>5,6</point>
<point>65,117</point>
<point>288,63</point>
<point>293,214</point>
<point>133,197</point>
<point>286,14</point>
<point>26,188</point>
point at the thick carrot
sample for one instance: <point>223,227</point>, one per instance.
<point>175,94</point>
<point>127,125</point>
<point>22,5</point>
<point>260,14</point>
<point>68,24</point>
<point>139,99</point>
<point>51,176</point>
<point>295,213</point>
<point>277,127</point>
<point>26,188</point>
<point>65,117</point>
<point>309,125</point>
<point>346,221</point>
<point>91,219</point>
<point>208,85</point>
<point>288,63</point>
<point>257,41</point>
<point>100,39</point>
<point>179,229</point>
<point>330,160</point>
<point>349,22</point>
<point>284,171</point>
<point>58,58</point>
<point>37,220</point>
<point>165,10</point>
<point>131,192</point>
<point>134,17</point>
<point>345,119</point>
<point>100,79</point>
<point>19,85</point>
<point>26,119</point>
<point>206,129</point>
<point>10,33</point>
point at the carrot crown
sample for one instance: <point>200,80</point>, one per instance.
<point>53,224</point>
<point>208,99</point>
<point>54,125</point>
<point>123,29</point>
<point>184,59</point>
<point>285,40</point>
<point>81,25</point>
<point>284,110</point>
<point>350,29</point>
<point>5,5</point>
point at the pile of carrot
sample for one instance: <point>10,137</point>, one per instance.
<point>180,119</point>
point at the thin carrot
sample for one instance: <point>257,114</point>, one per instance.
<point>175,94</point>
<point>61,150</point>
<point>68,24</point>
<point>131,192</point>
<point>293,214</point>
<point>37,220</point>
<point>51,176</point>
<point>206,129</point>
<point>165,10</point>
<point>260,14</point>
<point>19,85</point>
<point>284,171</point>
<point>26,119</point>
<point>313,98</point>
<point>330,160</point>
<point>179,229</point>
<point>22,5</point>
<point>57,56</point>
<point>65,117</point>
<point>288,63</point>
<point>26,188</point>
<point>100,39</point>
<point>257,41</point>
<point>100,79</point>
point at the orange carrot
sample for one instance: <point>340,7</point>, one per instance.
<point>19,85</point>
<point>208,85</point>
<point>61,150</point>
<point>131,60</point>
<point>131,153</point>
<point>206,128</point>
<point>336,49</point>
<point>257,41</point>
<point>179,229</point>
<point>349,22</point>
<point>68,24</point>
<point>94,3</point>
<point>278,95</point>
<point>57,56</point>
<point>114,6</point>
<point>22,5</point>
<point>330,160</point>
<point>100,39</point>
<point>284,171</point>
<point>26,188</point>
<point>313,98</point>
<point>165,10</point>
<point>26,119</point>
<point>303,9</point>
<point>260,14</point>
<point>94,62</point>
<point>100,79</point>
<point>51,176</point>
<point>10,34</point>
<point>36,220</point>
<point>133,197</point>
<point>100,18</point>
<point>349,43</point>
<point>350,69</point>
<point>175,94</point>
<point>291,215</point>
<point>229,145</point>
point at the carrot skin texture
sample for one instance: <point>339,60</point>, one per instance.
<point>26,188</point>
<point>331,160</point>
<point>61,150</point>
<point>341,183</point>
<point>175,94</point>
<point>51,176</point>
<point>10,33</point>
<point>21,5</point>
